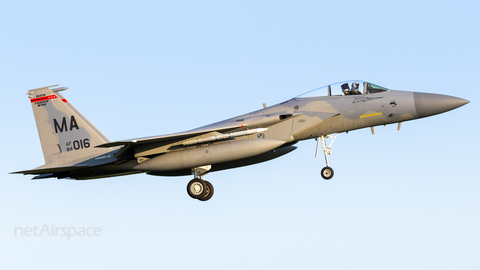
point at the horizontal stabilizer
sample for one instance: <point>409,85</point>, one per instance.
<point>50,170</point>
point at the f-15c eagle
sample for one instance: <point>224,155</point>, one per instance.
<point>74,148</point>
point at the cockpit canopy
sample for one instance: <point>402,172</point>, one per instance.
<point>347,88</point>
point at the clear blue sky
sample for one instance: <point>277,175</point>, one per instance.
<point>399,200</point>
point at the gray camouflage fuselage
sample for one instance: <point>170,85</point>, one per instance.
<point>273,132</point>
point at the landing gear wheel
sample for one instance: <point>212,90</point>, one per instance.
<point>209,191</point>
<point>196,188</point>
<point>327,173</point>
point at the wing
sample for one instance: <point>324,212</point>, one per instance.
<point>170,137</point>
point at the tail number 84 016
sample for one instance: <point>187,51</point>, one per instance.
<point>78,144</point>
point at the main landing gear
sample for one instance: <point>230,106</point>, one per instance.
<point>198,188</point>
<point>327,172</point>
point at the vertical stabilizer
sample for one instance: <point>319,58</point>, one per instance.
<point>65,134</point>
<point>81,116</point>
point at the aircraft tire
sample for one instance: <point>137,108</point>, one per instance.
<point>327,173</point>
<point>196,188</point>
<point>209,192</point>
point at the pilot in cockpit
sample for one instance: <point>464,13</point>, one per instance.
<point>355,90</point>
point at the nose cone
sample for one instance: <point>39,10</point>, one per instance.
<point>431,104</point>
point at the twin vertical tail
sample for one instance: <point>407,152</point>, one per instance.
<point>66,136</point>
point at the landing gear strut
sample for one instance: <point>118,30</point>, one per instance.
<point>198,188</point>
<point>327,172</point>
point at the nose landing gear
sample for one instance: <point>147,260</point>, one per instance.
<point>198,188</point>
<point>327,172</point>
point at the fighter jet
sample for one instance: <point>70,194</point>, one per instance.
<point>74,148</point>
